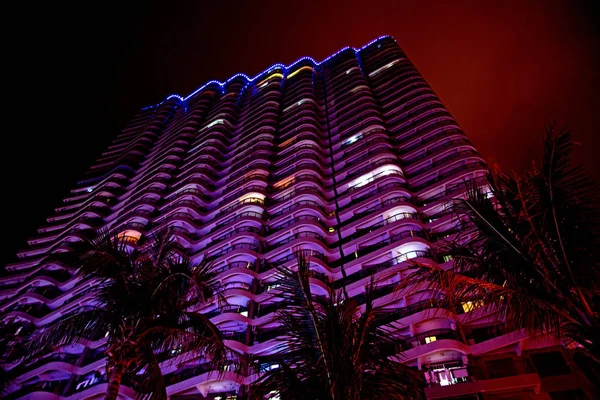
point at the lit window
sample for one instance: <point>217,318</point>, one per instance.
<point>430,339</point>
<point>130,236</point>
<point>284,183</point>
<point>360,87</point>
<point>297,71</point>
<point>273,286</point>
<point>331,229</point>
<point>468,306</point>
<point>287,142</point>
<point>383,68</point>
<point>353,139</point>
<point>277,75</point>
<point>379,172</point>
<point>215,122</point>
<point>447,258</point>
<point>244,313</point>
<point>89,190</point>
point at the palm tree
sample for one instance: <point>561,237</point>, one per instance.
<point>142,306</point>
<point>11,350</point>
<point>533,254</point>
<point>333,348</point>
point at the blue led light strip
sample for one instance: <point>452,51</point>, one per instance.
<point>181,98</point>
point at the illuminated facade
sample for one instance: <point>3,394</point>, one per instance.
<point>351,161</point>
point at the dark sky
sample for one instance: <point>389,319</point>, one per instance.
<point>75,73</point>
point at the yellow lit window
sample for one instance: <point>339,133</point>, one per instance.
<point>270,77</point>
<point>298,70</point>
<point>430,339</point>
<point>468,306</point>
<point>331,229</point>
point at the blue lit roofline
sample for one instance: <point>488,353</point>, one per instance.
<point>278,65</point>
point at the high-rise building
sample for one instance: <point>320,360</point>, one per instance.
<point>351,161</point>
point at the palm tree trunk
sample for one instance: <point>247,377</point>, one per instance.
<point>114,382</point>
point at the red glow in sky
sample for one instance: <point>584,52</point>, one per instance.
<point>78,72</point>
<point>502,68</point>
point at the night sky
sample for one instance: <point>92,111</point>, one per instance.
<point>75,73</point>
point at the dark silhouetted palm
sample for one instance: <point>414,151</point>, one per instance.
<point>332,349</point>
<point>141,305</point>
<point>534,251</point>
<point>11,350</point>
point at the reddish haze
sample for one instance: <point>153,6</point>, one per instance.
<point>503,70</point>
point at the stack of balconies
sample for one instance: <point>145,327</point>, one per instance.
<point>353,162</point>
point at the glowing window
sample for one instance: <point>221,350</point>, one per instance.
<point>260,84</point>
<point>272,286</point>
<point>215,122</point>
<point>383,68</point>
<point>360,87</point>
<point>377,173</point>
<point>353,139</point>
<point>284,183</point>
<point>469,306</point>
<point>298,70</point>
<point>430,339</point>
<point>287,143</point>
<point>252,197</point>
<point>130,236</point>
<point>295,105</point>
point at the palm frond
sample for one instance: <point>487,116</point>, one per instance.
<point>161,248</point>
<point>81,325</point>
<point>191,332</point>
<point>332,348</point>
<point>149,378</point>
<point>568,206</point>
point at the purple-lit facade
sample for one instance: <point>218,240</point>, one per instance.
<point>352,161</point>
